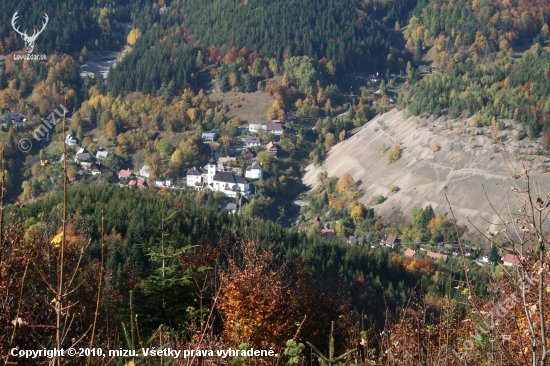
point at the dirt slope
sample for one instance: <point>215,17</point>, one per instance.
<point>423,176</point>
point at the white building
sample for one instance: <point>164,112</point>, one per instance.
<point>101,154</point>
<point>144,171</point>
<point>255,128</point>
<point>209,177</point>
<point>255,171</point>
<point>195,178</point>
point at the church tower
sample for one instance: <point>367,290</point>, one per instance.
<point>212,168</point>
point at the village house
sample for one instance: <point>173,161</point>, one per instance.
<point>209,136</point>
<point>291,115</point>
<point>14,117</point>
<point>144,171</point>
<point>255,128</point>
<point>232,208</point>
<point>80,150</point>
<point>132,183</point>
<point>485,256</point>
<point>101,154</point>
<point>125,174</point>
<point>195,178</point>
<point>96,170</point>
<point>69,140</point>
<point>511,260</point>
<point>355,239</point>
<point>226,159</point>
<point>409,253</point>
<point>389,241</point>
<point>247,154</point>
<point>252,141</point>
<point>163,183</point>
<point>275,128</point>
<point>375,79</point>
<point>141,183</point>
<point>327,232</point>
<point>271,148</point>
<point>456,250</point>
<point>255,171</point>
<point>437,256</point>
<point>81,157</point>
<point>86,165</point>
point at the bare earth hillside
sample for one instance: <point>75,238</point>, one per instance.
<point>458,169</point>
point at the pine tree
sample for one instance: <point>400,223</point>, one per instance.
<point>3,80</point>
<point>93,117</point>
<point>80,134</point>
<point>494,258</point>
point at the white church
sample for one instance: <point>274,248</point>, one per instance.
<point>209,176</point>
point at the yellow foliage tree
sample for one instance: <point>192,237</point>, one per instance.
<point>358,213</point>
<point>133,36</point>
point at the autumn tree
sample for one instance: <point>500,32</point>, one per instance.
<point>330,140</point>
<point>394,154</point>
<point>265,158</point>
<point>254,300</point>
<point>345,182</point>
<point>133,36</point>
<point>111,129</point>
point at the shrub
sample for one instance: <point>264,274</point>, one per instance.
<point>394,154</point>
<point>435,147</point>
<point>393,189</point>
<point>376,200</point>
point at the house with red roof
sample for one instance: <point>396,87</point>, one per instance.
<point>141,183</point>
<point>410,253</point>
<point>125,174</point>
<point>271,148</point>
<point>511,260</point>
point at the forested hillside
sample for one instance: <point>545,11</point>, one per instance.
<point>350,35</point>
<point>500,88</point>
<point>488,25</point>
<point>147,255</point>
<point>345,32</point>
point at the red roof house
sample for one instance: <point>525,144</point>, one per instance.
<point>327,232</point>
<point>410,253</point>
<point>124,174</point>
<point>141,183</point>
<point>511,260</point>
<point>271,148</point>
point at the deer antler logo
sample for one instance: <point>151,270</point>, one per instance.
<point>29,40</point>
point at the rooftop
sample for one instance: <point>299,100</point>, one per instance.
<point>228,177</point>
<point>410,252</point>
